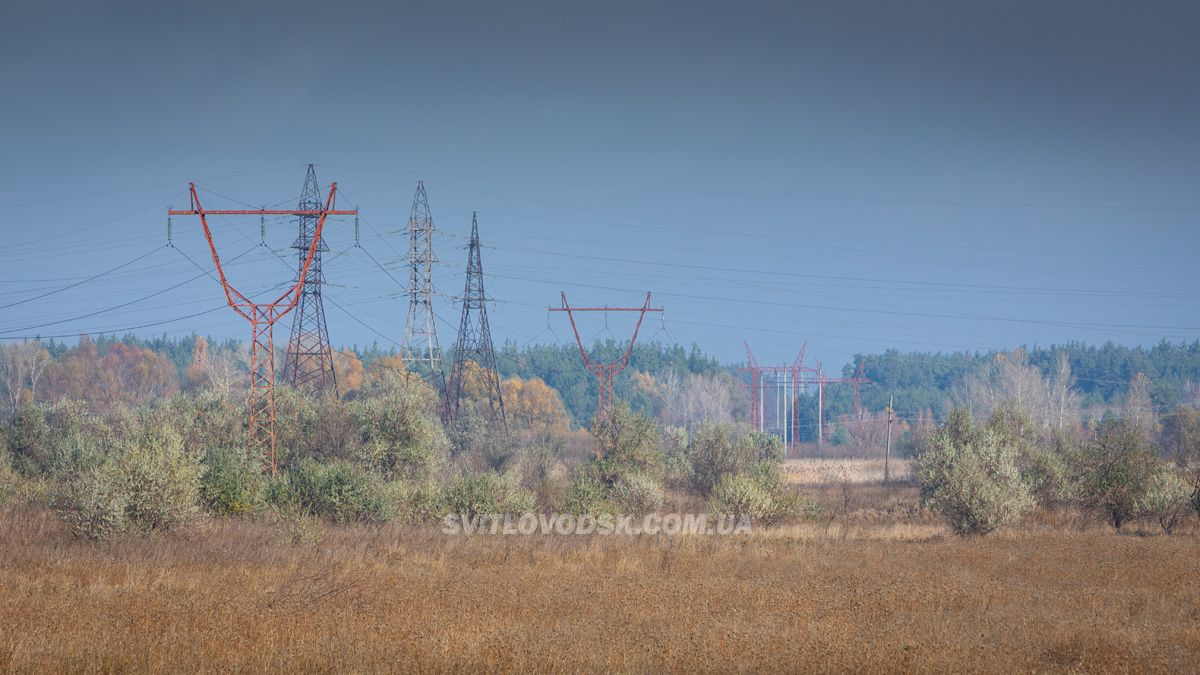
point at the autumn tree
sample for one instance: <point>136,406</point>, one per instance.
<point>393,363</point>
<point>135,375</point>
<point>74,373</point>
<point>692,399</point>
<point>125,375</point>
<point>195,374</point>
<point>21,368</point>
<point>1063,399</point>
<point>1139,409</point>
<point>532,404</point>
<point>349,372</point>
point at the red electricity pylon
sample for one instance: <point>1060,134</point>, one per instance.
<point>786,380</point>
<point>857,381</point>
<point>262,316</point>
<point>605,372</point>
<point>755,388</point>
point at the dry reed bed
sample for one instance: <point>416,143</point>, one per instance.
<point>820,471</point>
<point>237,596</point>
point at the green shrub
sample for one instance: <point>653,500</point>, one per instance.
<point>767,447</point>
<point>485,493</point>
<point>27,436</point>
<point>95,503</point>
<point>1046,473</point>
<point>56,439</point>
<point>232,482</point>
<point>636,495</point>
<point>8,478</point>
<point>543,471</point>
<point>162,483</point>
<point>1114,471</point>
<point>150,486</point>
<point>970,478</point>
<point>401,437</point>
<point>677,468</point>
<point>340,491</point>
<point>718,450</point>
<point>415,502</point>
<point>760,494</point>
<point>627,443</point>
<point>588,494</point>
<point>739,495</point>
<point>1167,498</point>
<point>206,421</point>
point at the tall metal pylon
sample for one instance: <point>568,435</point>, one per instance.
<point>605,372</point>
<point>309,364</point>
<point>262,316</point>
<point>474,339</point>
<point>419,348</point>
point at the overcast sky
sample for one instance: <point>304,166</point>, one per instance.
<point>860,175</point>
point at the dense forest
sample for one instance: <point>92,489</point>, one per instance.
<point>132,367</point>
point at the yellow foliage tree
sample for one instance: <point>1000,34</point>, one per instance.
<point>349,371</point>
<point>386,364</point>
<point>532,404</point>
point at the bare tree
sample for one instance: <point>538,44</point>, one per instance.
<point>1139,409</point>
<point>225,371</point>
<point>1010,380</point>
<point>869,433</point>
<point>698,397</point>
<point>21,366</point>
<point>1063,399</point>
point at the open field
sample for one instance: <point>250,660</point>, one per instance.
<point>815,471</point>
<point>889,593</point>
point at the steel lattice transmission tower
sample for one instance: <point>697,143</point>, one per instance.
<point>263,315</point>
<point>309,364</point>
<point>474,339</point>
<point>420,344</point>
<point>605,372</point>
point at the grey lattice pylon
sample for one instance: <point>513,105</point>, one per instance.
<point>474,339</point>
<point>309,362</point>
<point>419,348</point>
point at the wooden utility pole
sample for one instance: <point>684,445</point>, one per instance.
<point>887,455</point>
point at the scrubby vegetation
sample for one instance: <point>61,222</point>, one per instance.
<point>364,481</point>
<point>381,454</point>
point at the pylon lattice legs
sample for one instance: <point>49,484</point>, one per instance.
<point>262,386</point>
<point>475,340</point>
<point>309,363</point>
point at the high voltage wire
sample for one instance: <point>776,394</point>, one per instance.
<point>709,298</point>
<point>124,304</point>
<point>788,195</point>
<point>84,281</point>
<point>829,277</point>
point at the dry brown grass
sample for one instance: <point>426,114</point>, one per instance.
<point>820,471</point>
<point>866,588</point>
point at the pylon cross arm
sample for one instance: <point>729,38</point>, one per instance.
<point>262,316</point>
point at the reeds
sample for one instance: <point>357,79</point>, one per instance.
<point>876,586</point>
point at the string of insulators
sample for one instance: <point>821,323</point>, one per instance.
<point>356,230</point>
<point>262,230</point>
<point>170,232</point>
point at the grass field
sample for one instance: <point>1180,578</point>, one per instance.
<point>838,471</point>
<point>874,585</point>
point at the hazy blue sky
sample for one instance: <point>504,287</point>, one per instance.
<point>863,175</point>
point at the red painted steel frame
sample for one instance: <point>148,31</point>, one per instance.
<point>262,317</point>
<point>795,372</point>
<point>605,372</point>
